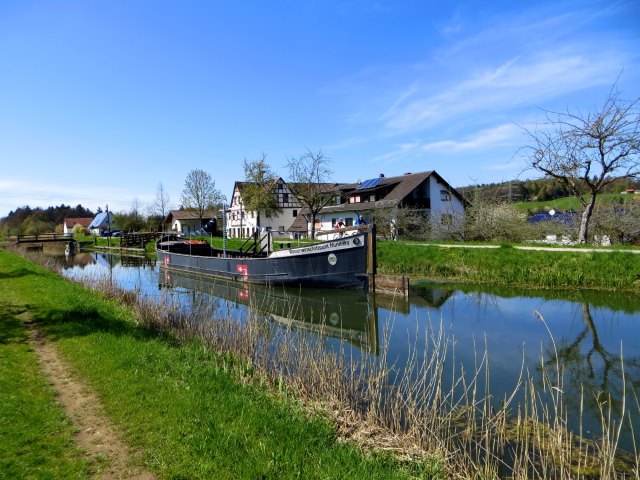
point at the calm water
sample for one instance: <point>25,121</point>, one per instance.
<point>590,331</point>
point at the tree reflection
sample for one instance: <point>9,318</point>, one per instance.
<point>587,366</point>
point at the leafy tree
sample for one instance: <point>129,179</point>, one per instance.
<point>309,176</point>
<point>583,151</point>
<point>200,194</point>
<point>131,221</point>
<point>257,191</point>
<point>38,220</point>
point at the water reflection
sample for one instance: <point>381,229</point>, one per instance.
<point>352,318</point>
<point>580,333</point>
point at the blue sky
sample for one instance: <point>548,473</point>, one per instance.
<point>102,100</point>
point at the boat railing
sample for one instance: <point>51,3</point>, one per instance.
<point>345,231</point>
<point>256,245</point>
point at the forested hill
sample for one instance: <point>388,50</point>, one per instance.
<point>532,190</point>
<point>27,220</point>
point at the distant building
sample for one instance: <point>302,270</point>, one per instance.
<point>101,222</point>
<point>68,224</point>
<point>185,221</point>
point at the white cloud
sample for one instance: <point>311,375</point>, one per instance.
<point>489,138</point>
<point>515,83</point>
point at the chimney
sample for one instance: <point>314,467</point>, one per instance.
<point>382,175</point>
<point>407,173</point>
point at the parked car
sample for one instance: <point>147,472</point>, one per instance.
<point>111,233</point>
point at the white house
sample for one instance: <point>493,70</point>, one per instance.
<point>242,223</point>
<point>185,221</point>
<point>426,191</point>
<point>68,224</point>
<point>102,221</point>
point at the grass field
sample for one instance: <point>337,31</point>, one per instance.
<point>509,266</point>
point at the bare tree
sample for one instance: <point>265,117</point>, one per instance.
<point>585,150</point>
<point>257,193</point>
<point>159,208</point>
<point>200,194</point>
<point>309,175</point>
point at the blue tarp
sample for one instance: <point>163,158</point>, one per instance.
<point>559,217</point>
<point>210,227</point>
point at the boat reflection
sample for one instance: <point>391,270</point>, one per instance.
<point>351,316</point>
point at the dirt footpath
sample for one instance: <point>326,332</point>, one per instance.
<point>96,435</point>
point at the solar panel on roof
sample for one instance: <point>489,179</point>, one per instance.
<point>373,182</point>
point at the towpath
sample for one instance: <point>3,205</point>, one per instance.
<point>96,436</point>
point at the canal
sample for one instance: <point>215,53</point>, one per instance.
<point>591,335</point>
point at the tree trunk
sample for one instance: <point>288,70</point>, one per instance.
<point>313,226</point>
<point>586,218</point>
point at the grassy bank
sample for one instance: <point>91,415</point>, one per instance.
<point>185,407</point>
<point>36,439</point>
<point>509,266</point>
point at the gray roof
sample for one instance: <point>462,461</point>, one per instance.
<point>400,187</point>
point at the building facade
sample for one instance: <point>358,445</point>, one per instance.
<point>425,192</point>
<point>243,223</point>
<point>185,221</point>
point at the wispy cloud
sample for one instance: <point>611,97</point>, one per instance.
<point>510,85</point>
<point>486,139</point>
<point>480,141</point>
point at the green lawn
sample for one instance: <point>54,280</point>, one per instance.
<point>509,266</point>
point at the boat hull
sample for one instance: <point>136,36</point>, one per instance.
<point>336,264</point>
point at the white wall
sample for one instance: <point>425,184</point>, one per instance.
<point>243,223</point>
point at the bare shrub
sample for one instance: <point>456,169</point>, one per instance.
<point>500,222</point>
<point>618,220</point>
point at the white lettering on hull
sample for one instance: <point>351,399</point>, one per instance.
<point>342,244</point>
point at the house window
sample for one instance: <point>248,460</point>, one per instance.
<point>285,198</point>
<point>348,222</point>
<point>295,213</point>
<point>446,219</point>
<point>281,229</point>
<point>333,222</point>
<point>445,196</point>
<point>372,197</point>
